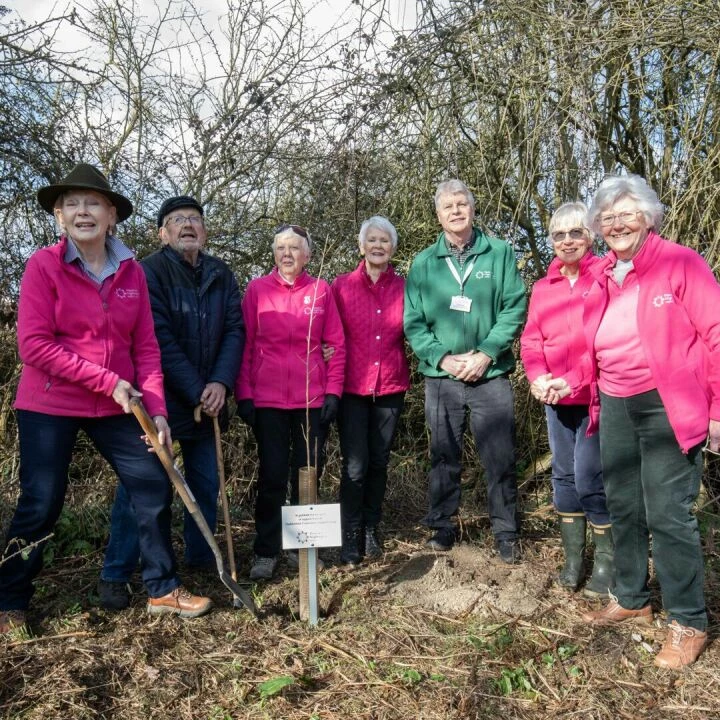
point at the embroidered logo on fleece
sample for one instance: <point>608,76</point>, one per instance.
<point>484,274</point>
<point>317,309</point>
<point>665,299</point>
<point>127,293</point>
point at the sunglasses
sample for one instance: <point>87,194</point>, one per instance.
<point>575,234</point>
<point>297,229</point>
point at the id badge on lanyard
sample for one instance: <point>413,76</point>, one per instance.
<point>461,303</point>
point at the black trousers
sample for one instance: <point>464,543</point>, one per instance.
<point>367,428</point>
<point>282,437</point>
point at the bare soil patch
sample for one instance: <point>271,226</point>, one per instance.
<point>470,579</point>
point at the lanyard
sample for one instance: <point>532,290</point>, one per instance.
<point>456,274</point>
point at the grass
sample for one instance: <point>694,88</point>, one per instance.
<point>372,656</point>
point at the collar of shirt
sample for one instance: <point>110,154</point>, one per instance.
<point>116,251</point>
<point>621,269</point>
<point>387,273</point>
<point>461,254</point>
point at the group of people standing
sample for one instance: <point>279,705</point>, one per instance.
<point>627,343</point>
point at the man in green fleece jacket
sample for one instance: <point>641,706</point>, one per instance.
<point>464,305</point>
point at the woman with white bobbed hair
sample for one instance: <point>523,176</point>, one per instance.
<point>370,302</point>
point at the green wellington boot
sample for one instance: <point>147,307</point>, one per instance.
<point>602,581</point>
<point>572,532</point>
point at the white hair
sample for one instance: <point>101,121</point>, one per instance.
<point>379,223</point>
<point>570,213</point>
<point>289,232</point>
<point>453,187</point>
<point>615,187</point>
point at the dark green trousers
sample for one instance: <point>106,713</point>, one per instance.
<point>651,486</point>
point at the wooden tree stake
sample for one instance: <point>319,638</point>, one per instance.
<point>308,557</point>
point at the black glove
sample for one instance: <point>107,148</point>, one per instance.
<point>329,410</point>
<point>246,411</point>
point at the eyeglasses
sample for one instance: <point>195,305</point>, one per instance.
<point>179,220</point>
<point>623,217</point>
<point>297,229</point>
<point>575,234</point>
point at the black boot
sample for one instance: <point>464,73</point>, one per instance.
<point>572,532</point>
<point>351,552</point>
<point>602,581</point>
<point>373,546</point>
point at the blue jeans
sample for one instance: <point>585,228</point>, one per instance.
<point>576,468</point>
<point>123,549</point>
<point>367,428</point>
<point>492,422</point>
<point>46,446</point>
<point>651,488</point>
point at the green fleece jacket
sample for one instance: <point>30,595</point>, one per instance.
<point>496,315</point>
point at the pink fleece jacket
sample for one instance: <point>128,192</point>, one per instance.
<point>679,326</point>
<point>77,341</point>
<point>553,340</point>
<point>280,369</point>
<point>372,316</point>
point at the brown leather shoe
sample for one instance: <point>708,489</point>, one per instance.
<point>682,646</point>
<point>614,613</point>
<point>11,620</point>
<point>179,602</point>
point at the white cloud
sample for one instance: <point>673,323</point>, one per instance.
<point>322,15</point>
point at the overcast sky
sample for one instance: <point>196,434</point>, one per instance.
<point>323,13</point>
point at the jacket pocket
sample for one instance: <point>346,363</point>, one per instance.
<point>262,375</point>
<point>686,400</point>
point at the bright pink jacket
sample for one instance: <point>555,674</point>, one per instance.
<point>372,316</point>
<point>553,340</point>
<point>280,369</point>
<point>679,325</point>
<point>76,342</point>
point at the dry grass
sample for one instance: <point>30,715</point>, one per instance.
<point>372,656</point>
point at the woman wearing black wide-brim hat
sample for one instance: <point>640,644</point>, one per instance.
<point>86,339</point>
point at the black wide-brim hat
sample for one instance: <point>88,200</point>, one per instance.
<point>85,177</point>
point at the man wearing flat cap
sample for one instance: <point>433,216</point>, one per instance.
<point>198,323</point>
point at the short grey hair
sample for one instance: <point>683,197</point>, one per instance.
<point>573,214</point>
<point>288,231</point>
<point>379,223</point>
<point>616,187</point>
<point>453,187</point>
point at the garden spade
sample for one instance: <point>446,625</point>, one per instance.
<point>241,597</point>
<point>223,491</point>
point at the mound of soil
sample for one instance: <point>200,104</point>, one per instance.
<point>469,579</point>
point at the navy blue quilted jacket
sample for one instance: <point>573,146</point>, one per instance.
<point>200,330</point>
